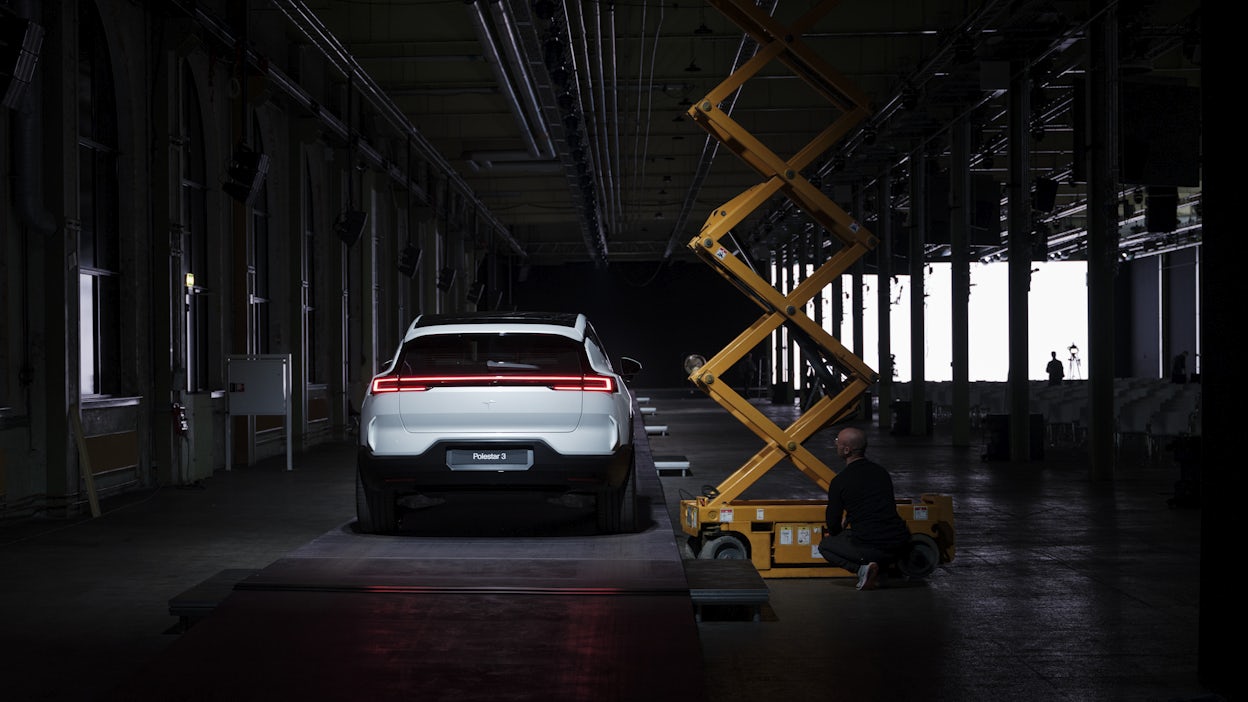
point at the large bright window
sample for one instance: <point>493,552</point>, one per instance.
<point>1057,319</point>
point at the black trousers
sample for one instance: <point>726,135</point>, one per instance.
<point>844,551</point>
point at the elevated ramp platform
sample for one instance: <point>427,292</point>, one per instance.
<point>468,602</point>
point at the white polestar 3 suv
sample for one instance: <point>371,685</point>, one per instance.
<point>498,401</point>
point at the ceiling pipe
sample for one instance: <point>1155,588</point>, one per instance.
<point>615,170</point>
<point>607,118</point>
<point>529,42</point>
<point>608,114</point>
<point>498,37</point>
<point>333,51</point>
<point>590,108</point>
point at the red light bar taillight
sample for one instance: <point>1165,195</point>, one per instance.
<point>394,383</point>
<point>580,383</point>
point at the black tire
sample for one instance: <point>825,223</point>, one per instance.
<point>920,558</point>
<point>725,547</point>
<point>375,511</point>
<point>616,507</point>
<point>628,501</point>
<point>607,509</point>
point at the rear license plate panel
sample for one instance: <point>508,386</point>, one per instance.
<point>489,459</point>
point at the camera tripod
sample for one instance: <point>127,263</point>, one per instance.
<point>1075,367</point>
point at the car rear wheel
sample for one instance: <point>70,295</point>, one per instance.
<point>617,506</point>
<point>375,510</point>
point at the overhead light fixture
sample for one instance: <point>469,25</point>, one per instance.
<point>350,226</point>
<point>560,75</point>
<point>702,28</point>
<point>693,63</point>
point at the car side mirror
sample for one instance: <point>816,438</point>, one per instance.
<point>629,368</point>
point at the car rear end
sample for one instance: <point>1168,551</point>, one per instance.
<point>495,405</point>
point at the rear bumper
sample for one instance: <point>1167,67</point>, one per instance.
<point>550,470</point>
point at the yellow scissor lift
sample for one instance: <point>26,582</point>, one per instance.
<point>781,537</point>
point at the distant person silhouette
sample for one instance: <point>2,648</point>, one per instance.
<point>1178,371</point>
<point>1055,370</point>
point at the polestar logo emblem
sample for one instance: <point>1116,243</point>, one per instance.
<point>487,403</point>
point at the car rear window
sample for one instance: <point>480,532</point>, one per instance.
<point>490,354</point>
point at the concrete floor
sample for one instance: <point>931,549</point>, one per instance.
<point>1062,588</point>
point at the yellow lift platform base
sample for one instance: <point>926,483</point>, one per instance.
<point>781,537</point>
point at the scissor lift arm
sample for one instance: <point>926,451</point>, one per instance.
<point>781,536</point>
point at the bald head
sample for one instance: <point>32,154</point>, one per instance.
<point>851,440</point>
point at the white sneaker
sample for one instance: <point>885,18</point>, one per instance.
<point>867,576</point>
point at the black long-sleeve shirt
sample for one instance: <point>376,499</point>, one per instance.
<point>864,491</point>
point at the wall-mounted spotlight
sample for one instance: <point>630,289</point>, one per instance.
<point>409,259</point>
<point>350,226</point>
<point>245,172</point>
<point>475,291</point>
<point>1044,198</point>
<point>446,279</point>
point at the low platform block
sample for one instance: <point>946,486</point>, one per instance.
<point>670,464</point>
<point>725,583</point>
